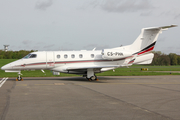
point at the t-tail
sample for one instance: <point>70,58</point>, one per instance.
<point>147,39</point>
<point>144,44</point>
<point>139,52</point>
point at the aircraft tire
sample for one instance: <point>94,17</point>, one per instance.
<point>93,77</point>
<point>19,78</point>
<point>89,79</point>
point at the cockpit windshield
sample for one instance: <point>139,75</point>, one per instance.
<point>30,56</point>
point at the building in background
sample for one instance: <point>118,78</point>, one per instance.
<point>6,48</point>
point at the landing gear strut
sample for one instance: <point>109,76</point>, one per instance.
<point>90,75</point>
<point>19,78</point>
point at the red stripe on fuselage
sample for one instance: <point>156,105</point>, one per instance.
<point>48,63</point>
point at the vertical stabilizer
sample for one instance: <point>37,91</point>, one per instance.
<point>147,39</point>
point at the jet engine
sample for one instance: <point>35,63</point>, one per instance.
<point>112,54</point>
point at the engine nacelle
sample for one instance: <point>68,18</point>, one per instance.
<point>112,54</point>
<point>144,59</point>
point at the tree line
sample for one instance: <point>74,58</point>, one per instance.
<point>159,58</point>
<point>163,59</point>
<point>14,54</point>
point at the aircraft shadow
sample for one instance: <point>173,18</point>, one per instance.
<point>102,79</point>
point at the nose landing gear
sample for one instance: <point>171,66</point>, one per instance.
<point>19,78</point>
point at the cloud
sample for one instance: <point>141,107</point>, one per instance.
<point>170,49</point>
<point>43,4</point>
<point>177,16</point>
<point>26,42</point>
<point>48,46</point>
<point>123,5</point>
<point>174,13</point>
<point>162,39</point>
<point>98,47</point>
<point>146,14</point>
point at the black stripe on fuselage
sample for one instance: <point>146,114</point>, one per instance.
<point>151,45</point>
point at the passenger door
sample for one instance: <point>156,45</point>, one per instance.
<point>50,60</point>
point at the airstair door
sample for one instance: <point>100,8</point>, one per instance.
<point>50,60</point>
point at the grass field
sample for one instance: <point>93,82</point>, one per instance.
<point>134,70</point>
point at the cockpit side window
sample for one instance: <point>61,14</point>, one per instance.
<point>33,56</point>
<point>30,56</point>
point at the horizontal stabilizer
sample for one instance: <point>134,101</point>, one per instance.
<point>163,27</point>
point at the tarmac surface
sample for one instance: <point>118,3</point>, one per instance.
<point>75,98</point>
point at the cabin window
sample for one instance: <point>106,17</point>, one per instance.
<point>65,56</point>
<point>33,56</point>
<point>58,56</point>
<point>92,55</point>
<point>72,56</point>
<point>80,56</point>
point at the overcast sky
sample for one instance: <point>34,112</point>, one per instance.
<point>86,24</point>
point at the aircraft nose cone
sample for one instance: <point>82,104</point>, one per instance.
<point>3,68</point>
<point>6,67</point>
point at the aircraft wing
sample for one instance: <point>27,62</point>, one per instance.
<point>91,67</point>
<point>82,69</point>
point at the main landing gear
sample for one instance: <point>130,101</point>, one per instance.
<point>19,78</point>
<point>92,78</point>
<point>90,75</point>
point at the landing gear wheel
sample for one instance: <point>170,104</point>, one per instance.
<point>88,79</point>
<point>96,79</point>
<point>93,77</point>
<point>19,78</point>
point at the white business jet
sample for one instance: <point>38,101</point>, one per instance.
<point>88,63</point>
